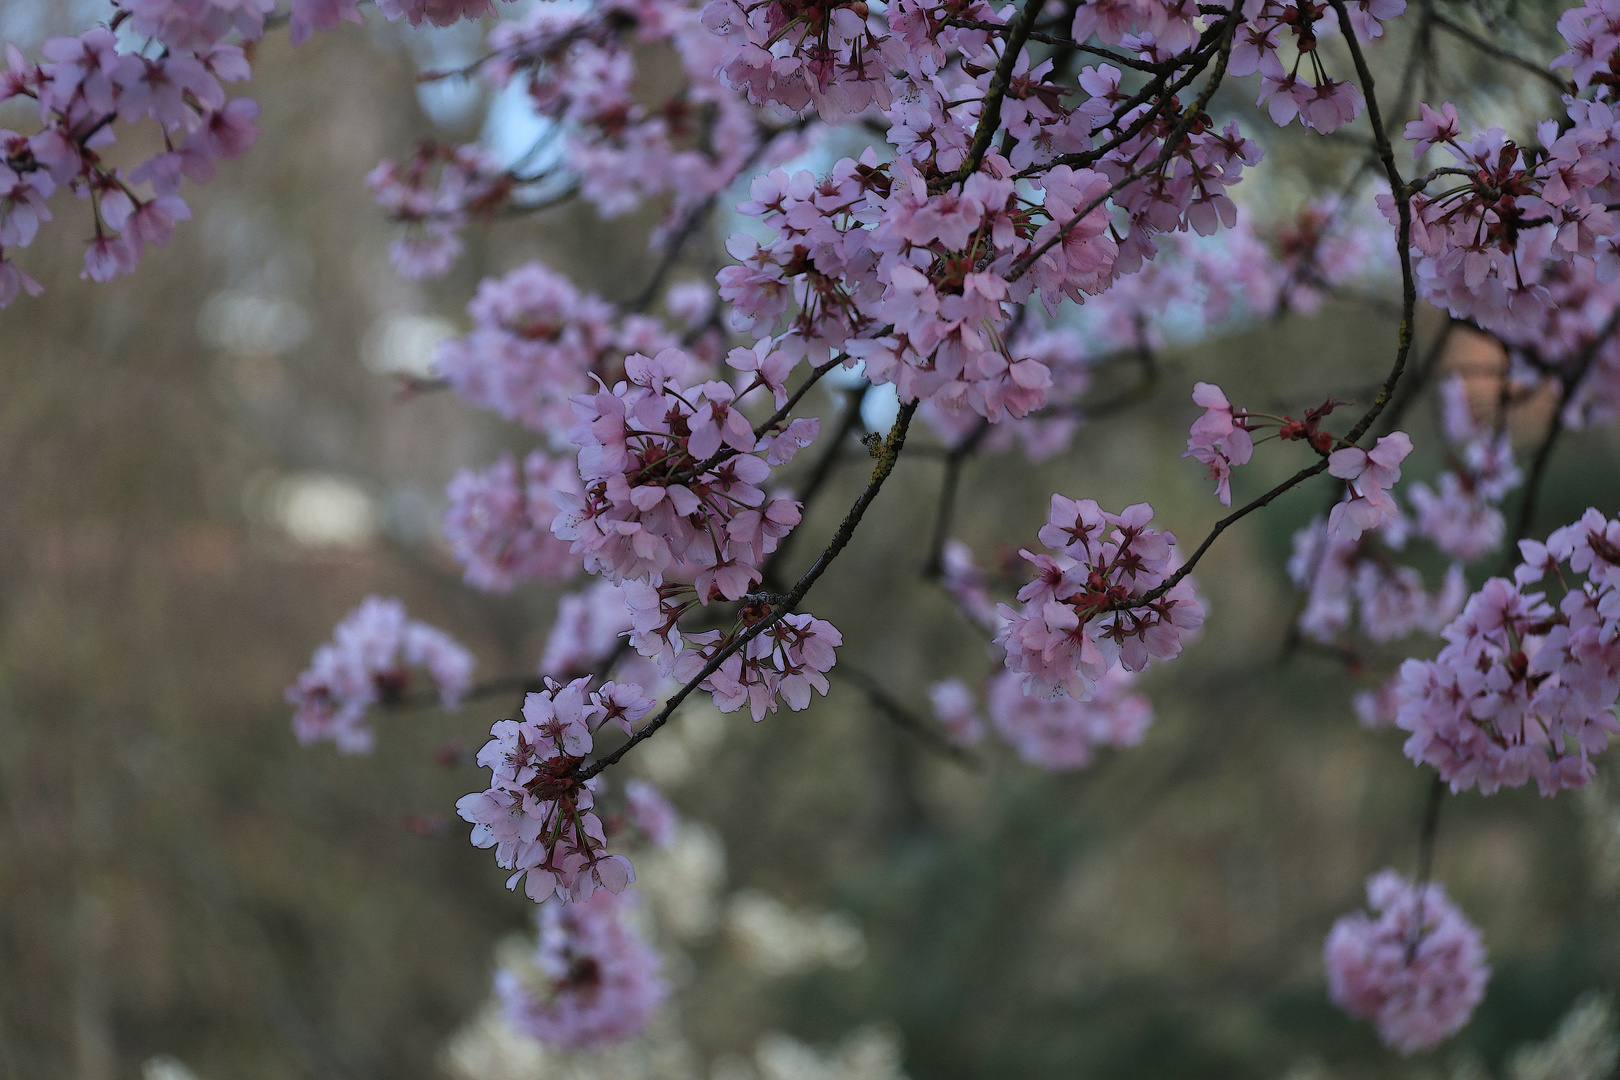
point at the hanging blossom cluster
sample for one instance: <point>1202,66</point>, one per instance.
<point>1509,236</point>
<point>1056,732</point>
<point>1461,515</point>
<point>592,981</point>
<point>1415,966</point>
<point>536,813</point>
<point>1061,733</point>
<point>92,89</point>
<point>609,140</point>
<point>1335,560</point>
<point>537,340</point>
<point>1524,688</point>
<point>159,61</point>
<point>434,195</point>
<point>368,662</point>
<point>498,522</point>
<point>1361,579</point>
<point>1102,600</point>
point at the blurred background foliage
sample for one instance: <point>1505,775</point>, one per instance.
<point>204,465</point>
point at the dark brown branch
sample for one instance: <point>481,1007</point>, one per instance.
<point>1155,89</point>
<point>1430,829</point>
<point>672,253</point>
<point>1060,42</point>
<point>1172,143</point>
<point>1018,32</point>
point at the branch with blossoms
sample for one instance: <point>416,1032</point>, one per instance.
<point>1021,226</point>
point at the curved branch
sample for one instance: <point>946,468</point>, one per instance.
<point>1403,347</point>
<point>1491,48</point>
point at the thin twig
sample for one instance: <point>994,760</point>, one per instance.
<point>1430,829</point>
<point>1491,48</point>
<point>903,718</point>
<point>819,474</point>
<point>1172,143</point>
<point>1403,346</point>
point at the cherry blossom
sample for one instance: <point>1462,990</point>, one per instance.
<point>1060,733</point>
<point>1218,440</point>
<point>368,662</point>
<point>1369,474</point>
<point>593,980</point>
<point>499,526</point>
<point>1086,610</point>
<point>1522,689</point>
<point>536,814</point>
<point>1415,966</point>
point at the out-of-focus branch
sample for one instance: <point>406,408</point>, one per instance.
<point>1569,384</point>
<point>1491,48</point>
<point>903,718</point>
<point>820,473</point>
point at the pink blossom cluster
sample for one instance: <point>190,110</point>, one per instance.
<point>536,342</point>
<point>498,523</point>
<point>832,55</point>
<point>789,660</point>
<point>589,628</point>
<point>1060,732</point>
<point>672,477</point>
<point>1415,966</point>
<point>1368,476</point>
<point>434,194</point>
<point>1343,578</point>
<point>368,662</point>
<point>1461,515</point>
<point>94,87</point>
<point>786,660</point>
<point>900,295</point>
<point>1219,439</point>
<point>594,980</point>
<point>1043,434</point>
<point>536,813</point>
<point>1098,602</point>
<point>579,67</point>
<point>1302,87</point>
<point>1498,230</point>
<point>1522,689</point>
